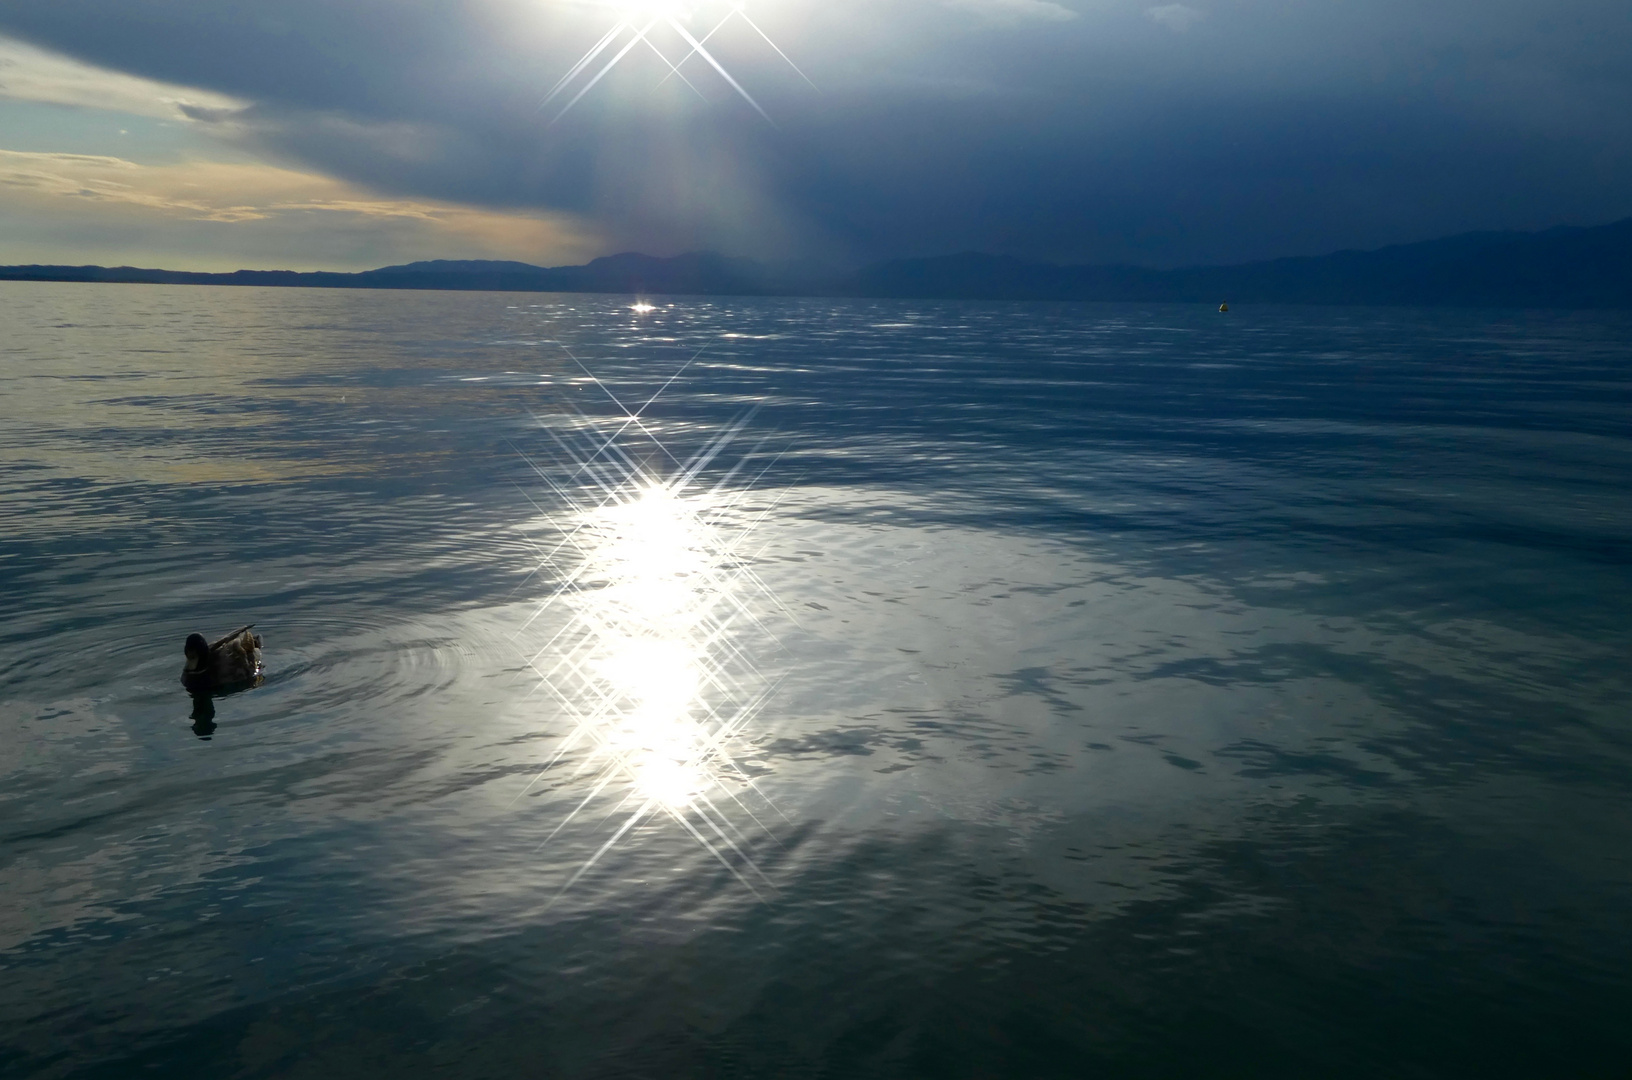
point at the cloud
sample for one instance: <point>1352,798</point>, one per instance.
<point>209,114</point>
<point>245,205</point>
<point>31,74</point>
<point>1060,130</point>
<point>95,178</point>
<point>1176,17</point>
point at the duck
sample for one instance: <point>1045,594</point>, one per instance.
<point>230,663</point>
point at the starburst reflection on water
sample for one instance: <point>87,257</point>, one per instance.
<point>650,655</point>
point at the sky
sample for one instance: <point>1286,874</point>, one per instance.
<point>347,134</point>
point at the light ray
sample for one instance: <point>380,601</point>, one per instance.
<point>610,64</point>
<point>774,45</point>
<point>689,55</point>
<point>587,59</point>
<point>698,48</point>
<point>673,70</point>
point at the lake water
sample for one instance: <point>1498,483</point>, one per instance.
<point>1088,690</point>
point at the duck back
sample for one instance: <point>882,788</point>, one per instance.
<point>236,658</point>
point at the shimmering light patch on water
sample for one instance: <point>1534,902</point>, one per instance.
<point>654,666</point>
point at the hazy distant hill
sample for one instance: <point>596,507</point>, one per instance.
<point>1563,267</point>
<point>460,266</point>
<point>697,272</point>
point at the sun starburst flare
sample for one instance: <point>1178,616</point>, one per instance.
<point>633,26</point>
<point>652,630</point>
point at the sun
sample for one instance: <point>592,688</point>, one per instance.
<point>635,22</point>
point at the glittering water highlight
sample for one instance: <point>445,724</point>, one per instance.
<point>654,663</point>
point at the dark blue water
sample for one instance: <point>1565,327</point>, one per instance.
<point>1145,691</point>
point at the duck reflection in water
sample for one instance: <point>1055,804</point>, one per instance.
<point>227,666</point>
<point>203,717</point>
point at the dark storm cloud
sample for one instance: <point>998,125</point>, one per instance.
<point>1082,130</point>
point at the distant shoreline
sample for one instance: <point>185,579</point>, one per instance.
<point>1571,268</point>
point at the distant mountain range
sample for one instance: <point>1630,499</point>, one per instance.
<point>1559,268</point>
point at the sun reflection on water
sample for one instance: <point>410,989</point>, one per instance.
<point>650,604</point>
<point>653,617</point>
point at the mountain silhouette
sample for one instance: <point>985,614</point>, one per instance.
<point>1564,267</point>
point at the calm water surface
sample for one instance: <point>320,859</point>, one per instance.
<point>1153,692</point>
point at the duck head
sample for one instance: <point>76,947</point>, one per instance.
<point>197,651</point>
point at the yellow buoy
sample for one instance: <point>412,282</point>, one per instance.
<point>1224,307</point>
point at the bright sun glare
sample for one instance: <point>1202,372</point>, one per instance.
<point>648,613</point>
<point>646,11</point>
<point>635,22</point>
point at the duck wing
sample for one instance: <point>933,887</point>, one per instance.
<point>236,658</point>
<point>230,637</point>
